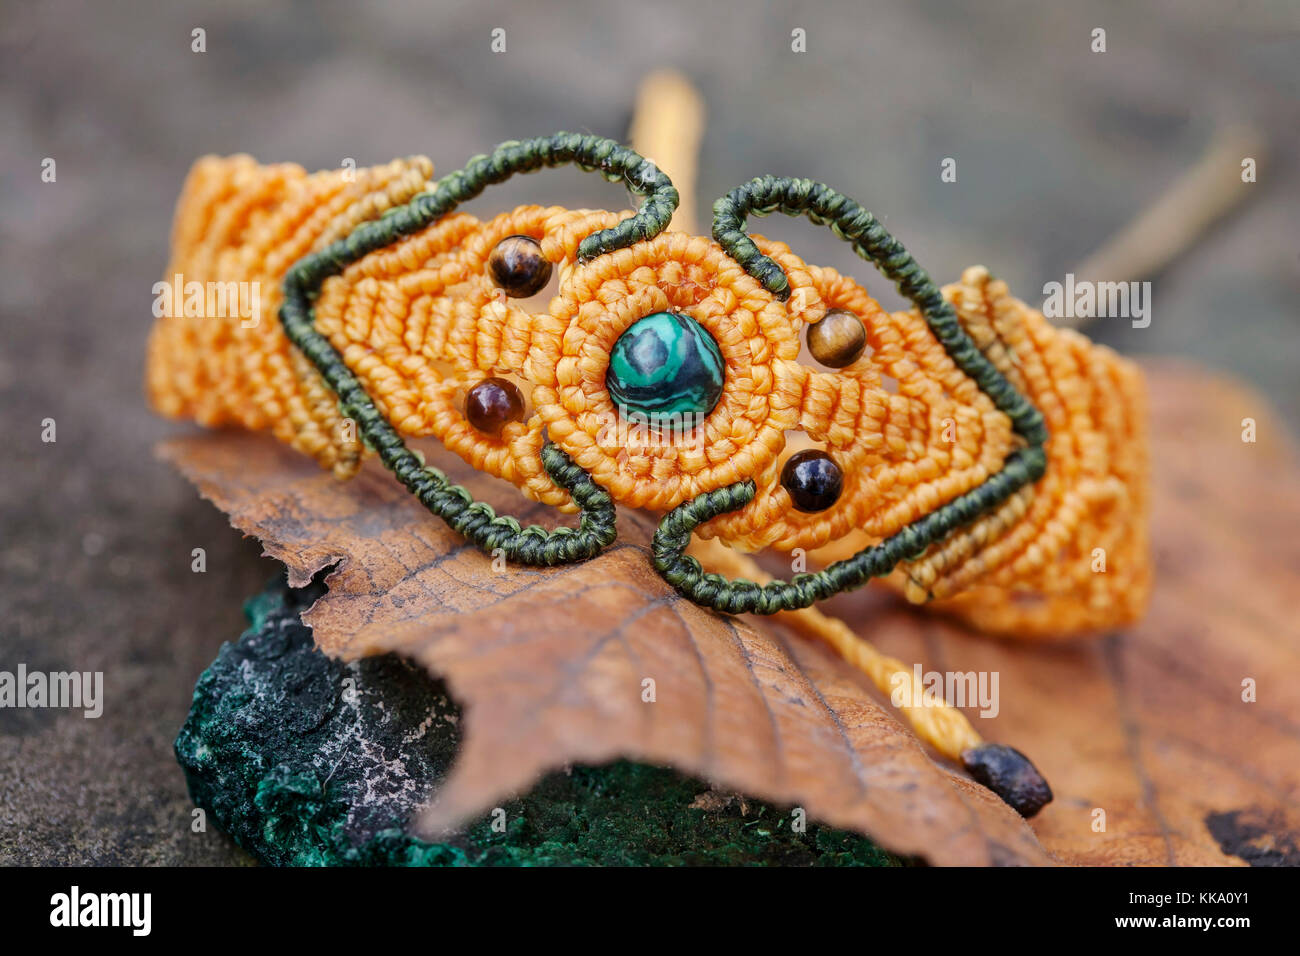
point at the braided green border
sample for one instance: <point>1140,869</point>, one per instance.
<point>870,240</point>
<point>475,520</point>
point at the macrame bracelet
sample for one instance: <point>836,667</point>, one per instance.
<point>962,450</point>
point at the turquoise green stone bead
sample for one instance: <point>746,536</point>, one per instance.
<point>665,364</point>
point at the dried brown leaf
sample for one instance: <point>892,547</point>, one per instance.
<point>1149,725</point>
<point>549,665</point>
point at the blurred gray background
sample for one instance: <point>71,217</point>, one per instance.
<point>1057,148</point>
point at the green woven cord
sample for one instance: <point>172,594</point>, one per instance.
<point>870,240</point>
<point>475,520</point>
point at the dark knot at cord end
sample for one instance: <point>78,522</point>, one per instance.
<point>1009,774</point>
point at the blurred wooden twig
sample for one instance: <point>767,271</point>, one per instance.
<point>1169,226</point>
<point>667,126</point>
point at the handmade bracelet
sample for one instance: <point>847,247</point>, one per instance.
<point>963,449</point>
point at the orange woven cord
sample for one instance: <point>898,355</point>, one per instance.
<point>1078,557</point>
<point>1070,553</point>
<point>419,322</point>
<point>239,222</point>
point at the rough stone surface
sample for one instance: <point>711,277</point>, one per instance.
<point>305,760</point>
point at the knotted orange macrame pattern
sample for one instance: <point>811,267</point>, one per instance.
<point>420,322</point>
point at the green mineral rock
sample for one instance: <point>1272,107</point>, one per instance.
<point>308,761</point>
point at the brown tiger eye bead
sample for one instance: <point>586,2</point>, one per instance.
<point>518,266</point>
<point>492,403</point>
<point>838,339</point>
